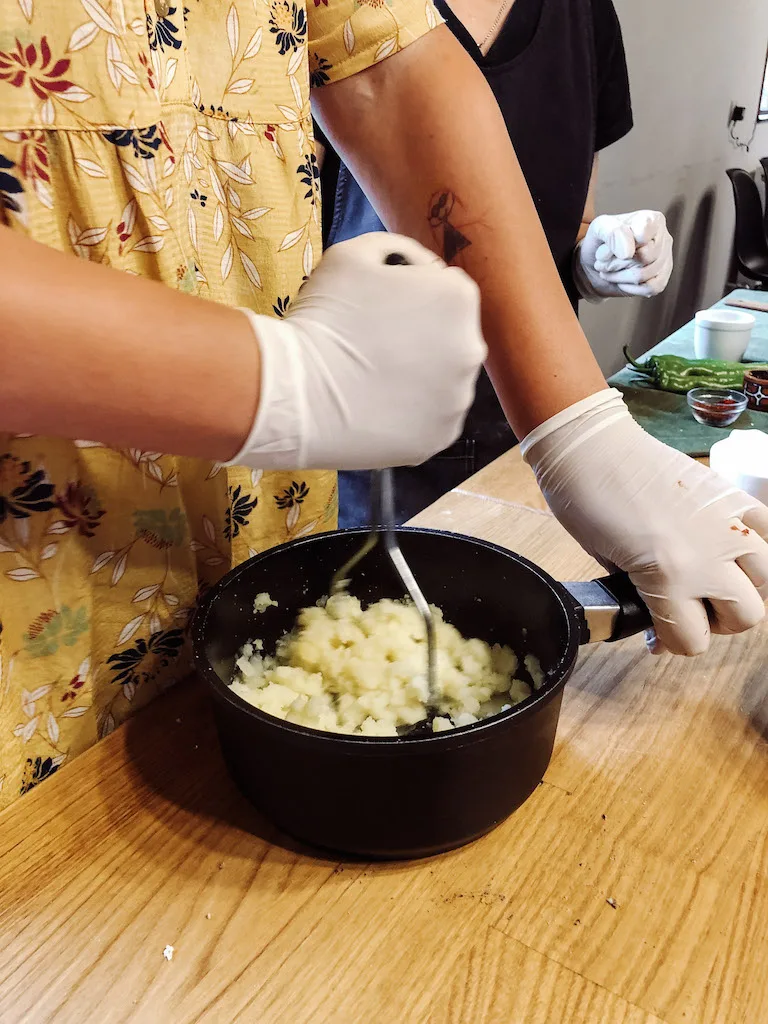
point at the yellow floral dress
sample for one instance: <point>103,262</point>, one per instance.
<point>174,142</point>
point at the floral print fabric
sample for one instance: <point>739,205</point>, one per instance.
<point>170,139</point>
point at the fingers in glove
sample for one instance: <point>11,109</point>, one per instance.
<point>647,224</point>
<point>738,606</point>
<point>645,255</point>
<point>648,252</point>
<point>612,265</point>
<point>756,518</point>
<point>656,275</point>
<point>616,237</point>
<point>606,255</point>
<point>635,274</point>
<point>755,567</point>
<point>655,286</point>
<point>373,249</point>
<point>754,563</point>
<point>681,625</point>
<point>651,251</point>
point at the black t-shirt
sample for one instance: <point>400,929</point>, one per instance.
<point>613,114</point>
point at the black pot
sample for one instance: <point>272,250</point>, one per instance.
<point>382,797</point>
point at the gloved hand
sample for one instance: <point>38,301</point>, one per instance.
<point>627,254</point>
<point>373,365</point>
<point>682,533</point>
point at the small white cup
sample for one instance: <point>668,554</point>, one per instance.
<point>722,334</point>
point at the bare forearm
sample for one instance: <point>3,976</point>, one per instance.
<point>423,125</point>
<point>92,353</point>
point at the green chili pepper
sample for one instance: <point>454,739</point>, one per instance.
<point>680,375</point>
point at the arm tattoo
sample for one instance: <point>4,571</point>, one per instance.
<point>440,212</point>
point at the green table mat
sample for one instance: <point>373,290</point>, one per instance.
<point>667,416</point>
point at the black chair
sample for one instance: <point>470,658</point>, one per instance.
<point>751,248</point>
<point>764,162</point>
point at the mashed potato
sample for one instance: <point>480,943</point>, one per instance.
<point>262,602</point>
<point>352,670</point>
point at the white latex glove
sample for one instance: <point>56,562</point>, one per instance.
<point>373,365</point>
<point>682,533</point>
<point>626,254</point>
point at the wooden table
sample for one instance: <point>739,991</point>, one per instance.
<point>631,888</point>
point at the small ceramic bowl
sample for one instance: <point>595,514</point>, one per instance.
<point>756,389</point>
<point>722,334</point>
<point>716,408</point>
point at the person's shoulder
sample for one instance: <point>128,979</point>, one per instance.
<point>605,16</point>
<point>607,27</point>
<point>604,9</point>
<point>614,104</point>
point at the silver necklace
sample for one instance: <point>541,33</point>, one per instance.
<point>505,5</point>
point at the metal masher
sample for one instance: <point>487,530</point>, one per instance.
<point>383,518</point>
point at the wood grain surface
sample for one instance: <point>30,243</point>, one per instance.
<point>632,888</point>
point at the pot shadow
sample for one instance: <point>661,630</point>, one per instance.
<point>173,753</point>
<point>608,679</point>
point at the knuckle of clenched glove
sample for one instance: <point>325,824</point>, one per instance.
<point>657,282</point>
<point>671,642</point>
<point>633,275</point>
<point>597,252</point>
<point>695,647</point>
<point>685,642</point>
<point>750,616</point>
<point>649,254</point>
<point>647,274</point>
<point>672,560</point>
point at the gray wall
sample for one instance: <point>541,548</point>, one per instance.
<point>688,60</point>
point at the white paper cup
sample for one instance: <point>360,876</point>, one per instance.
<point>722,334</point>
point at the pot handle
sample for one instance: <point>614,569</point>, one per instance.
<point>611,608</point>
